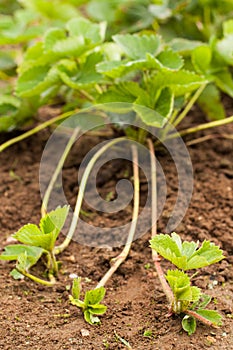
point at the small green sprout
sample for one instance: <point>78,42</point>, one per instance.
<point>183,297</point>
<point>37,242</point>
<point>91,304</point>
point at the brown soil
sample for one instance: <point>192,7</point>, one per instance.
<point>36,317</point>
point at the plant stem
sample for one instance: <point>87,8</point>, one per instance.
<point>57,171</point>
<point>200,318</point>
<point>125,252</point>
<point>39,280</point>
<point>36,129</point>
<point>201,127</point>
<point>156,258</point>
<point>80,196</point>
<point>189,105</point>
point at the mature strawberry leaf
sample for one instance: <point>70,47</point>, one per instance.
<point>136,47</point>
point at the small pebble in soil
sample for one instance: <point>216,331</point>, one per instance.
<point>73,275</point>
<point>85,332</point>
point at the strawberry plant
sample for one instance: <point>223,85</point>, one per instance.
<point>184,298</point>
<point>91,304</point>
<point>38,242</point>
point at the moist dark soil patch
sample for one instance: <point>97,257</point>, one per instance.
<point>36,317</point>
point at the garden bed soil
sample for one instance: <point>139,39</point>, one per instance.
<point>37,317</point>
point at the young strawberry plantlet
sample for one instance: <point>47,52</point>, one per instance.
<point>37,242</point>
<point>91,304</point>
<point>186,299</point>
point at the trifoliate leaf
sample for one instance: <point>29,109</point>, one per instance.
<point>186,256</point>
<point>189,324</point>
<point>52,36</point>
<point>136,47</point>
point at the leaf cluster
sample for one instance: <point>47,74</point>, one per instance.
<point>188,256</point>
<point>37,241</point>
<point>91,304</point>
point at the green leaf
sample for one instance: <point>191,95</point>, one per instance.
<point>228,27</point>
<point>16,274</point>
<point>170,59</point>
<point>180,285</point>
<point>201,58</point>
<point>11,252</point>
<point>189,324</point>
<point>35,80</point>
<point>85,76</point>
<point>186,256</point>
<point>123,92</point>
<point>210,103</point>
<point>181,82</point>
<point>54,220</point>
<point>211,315</point>
<point>90,318</point>
<point>25,262</point>
<point>95,33</point>
<point>203,301</point>
<point>52,36</point>
<point>150,116</point>
<point>94,296</point>
<point>31,235</point>
<point>206,255</point>
<point>136,47</point>
<point>7,63</point>
<point>184,46</point>
<point>224,81</point>
<point>76,288</point>
<point>76,302</point>
<point>165,102</point>
<point>97,309</point>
